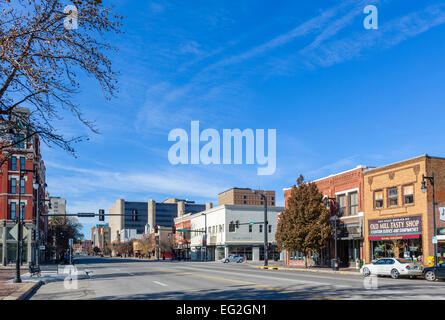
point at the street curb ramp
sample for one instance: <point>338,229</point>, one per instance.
<point>24,291</point>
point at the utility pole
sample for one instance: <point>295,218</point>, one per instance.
<point>264,198</point>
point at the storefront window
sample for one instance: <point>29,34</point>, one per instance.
<point>296,255</point>
<point>408,249</point>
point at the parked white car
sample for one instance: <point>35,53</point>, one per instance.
<point>233,258</point>
<point>391,267</point>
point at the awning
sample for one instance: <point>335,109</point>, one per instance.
<point>406,236</point>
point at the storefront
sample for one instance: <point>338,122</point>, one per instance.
<point>396,238</point>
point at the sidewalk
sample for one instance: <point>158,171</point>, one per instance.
<point>280,266</point>
<point>14,291</point>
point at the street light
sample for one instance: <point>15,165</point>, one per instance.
<point>334,222</point>
<point>424,190</point>
<point>264,198</point>
<point>17,278</point>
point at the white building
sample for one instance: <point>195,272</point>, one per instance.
<point>224,239</point>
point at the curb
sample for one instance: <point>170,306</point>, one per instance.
<point>270,268</point>
<point>24,291</point>
<point>311,270</point>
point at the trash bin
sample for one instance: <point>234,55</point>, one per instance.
<point>334,264</point>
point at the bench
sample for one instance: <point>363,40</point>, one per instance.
<point>34,270</point>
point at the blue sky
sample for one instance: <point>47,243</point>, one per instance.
<point>337,94</point>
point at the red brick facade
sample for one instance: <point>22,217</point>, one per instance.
<point>332,186</point>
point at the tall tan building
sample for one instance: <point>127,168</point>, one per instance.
<point>399,214</point>
<point>101,236</point>
<point>245,196</point>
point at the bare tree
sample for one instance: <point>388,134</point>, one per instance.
<point>45,46</point>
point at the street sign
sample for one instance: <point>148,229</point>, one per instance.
<point>434,240</point>
<point>251,223</point>
<point>442,213</point>
<point>14,232</point>
<point>25,232</point>
<point>86,215</point>
<point>42,247</point>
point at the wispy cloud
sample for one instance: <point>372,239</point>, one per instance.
<point>335,167</point>
<point>388,35</point>
<point>308,27</point>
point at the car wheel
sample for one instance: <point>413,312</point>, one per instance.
<point>366,272</point>
<point>430,276</point>
<point>394,273</point>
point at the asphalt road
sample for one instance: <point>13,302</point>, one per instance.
<point>116,278</point>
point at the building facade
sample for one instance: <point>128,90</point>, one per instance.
<point>398,215</point>
<point>144,216</point>
<point>217,226</point>
<point>246,196</point>
<point>345,193</point>
<point>29,188</point>
<point>82,247</point>
<point>57,205</point>
<point>101,236</point>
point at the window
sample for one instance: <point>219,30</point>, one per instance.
<point>245,201</point>
<point>273,203</point>
<point>353,204</point>
<point>341,202</point>
<point>13,211</point>
<point>14,163</point>
<point>273,198</point>
<point>296,255</point>
<point>378,198</point>
<point>17,138</point>
<point>270,228</point>
<point>261,228</point>
<point>13,186</point>
<point>408,194</point>
<point>392,197</point>
<point>22,163</point>
<point>250,228</point>
<point>22,186</point>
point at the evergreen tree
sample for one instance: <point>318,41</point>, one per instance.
<point>304,226</point>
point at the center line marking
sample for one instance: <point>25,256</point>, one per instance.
<point>160,283</point>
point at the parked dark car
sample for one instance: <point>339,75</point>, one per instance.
<point>433,273</point>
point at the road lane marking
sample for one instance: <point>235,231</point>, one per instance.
<point>249,284</point>
<point>160,283</point>
<point>262,276</point>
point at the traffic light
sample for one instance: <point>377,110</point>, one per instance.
<point>101,215</point>
<point>204,242</point>
<point>156,229</point>
<point>174,230</point>
<point>237,224</point>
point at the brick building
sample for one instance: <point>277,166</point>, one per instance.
<point>245,196</point>
<point>31,186</point>
<point>345,190</point>
<point>398,215</point>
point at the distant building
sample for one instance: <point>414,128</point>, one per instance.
<point>246,196</point>
<point>144,216</point>
<point>82,247</point>
<point>100,236</point>
<point>224,238</point>
<point>57,205</point>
